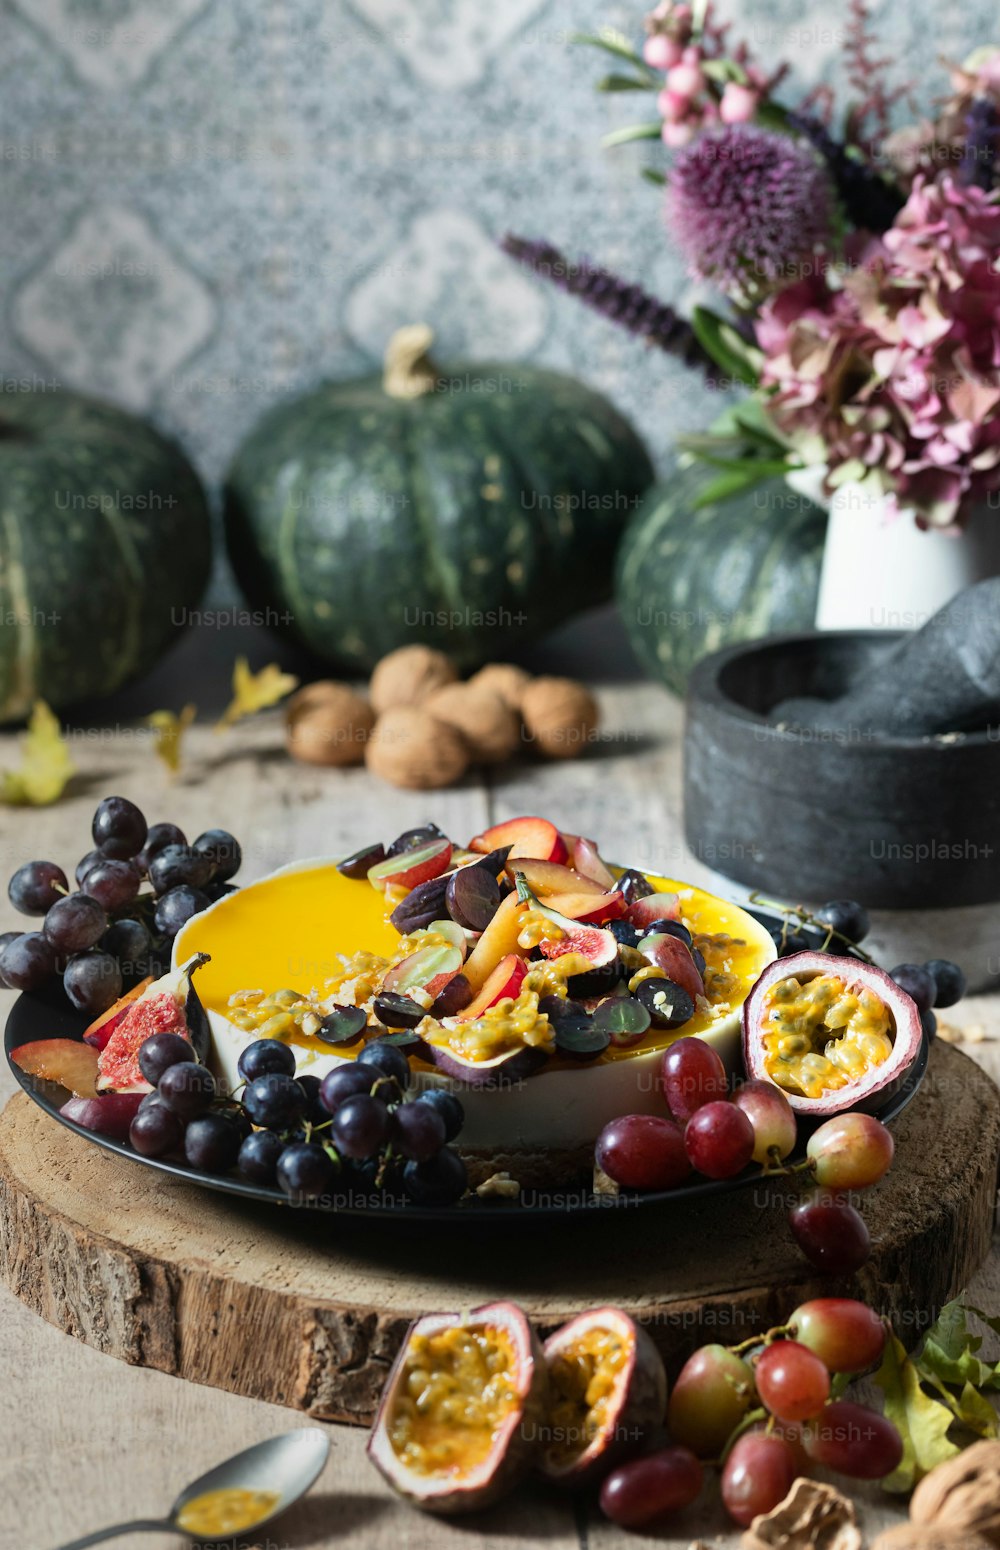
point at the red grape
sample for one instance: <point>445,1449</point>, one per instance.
<point>719,1140</point>
<point>846,1335</point>
<point>757,1475</point>
<point>772,1118</point>
<point>642,1493</point>
<point>692,1074</point>
<point>851,1151</point>
<point>831,1233</point>
<point>791,1380</point>
<point>713,1392</point>
<point>642,1151</point>
<point>853,1440</point>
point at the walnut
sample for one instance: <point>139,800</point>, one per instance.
<point>812,1516</point>
<point>410,747</point>
<point>561,716</point>
<point>489,726</point>
<point>962,1495</point>
<point>408,676</point>
<point>919,1536</point>
<point>505,679</point>
<point>328,723</point>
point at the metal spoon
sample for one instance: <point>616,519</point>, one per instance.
<point>287,1465</point>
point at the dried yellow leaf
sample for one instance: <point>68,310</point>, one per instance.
<point>169,729</point>
<point>255,691</point>
<point>45,763</point>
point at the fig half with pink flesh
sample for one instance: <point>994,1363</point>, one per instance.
<point>169,1005</point>
<point>833,1033</point>
<point>607,1390</point>
<point>462,1409</point>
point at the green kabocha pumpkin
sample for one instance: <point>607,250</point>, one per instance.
<point>470,507</point>
<point>692,578</point>
<point>105,546</point>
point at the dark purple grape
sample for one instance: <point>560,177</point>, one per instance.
<point>928,1022</point>
<point>454,998</point>
<point>845,916</point>
<point>212,1143</point>
<point>343,1025</point>
<point>92,981</point>
<point>918,982</point>
<point>344,1082</point>
<point>118,820</point>
<point>156,1130</point>
<point>414,839</point>
<point>438,1182</point>
<point>275,1101</point>
<point>36,886</point>
<point>668,1005</point>
<point>112,883</point>
<point>258,1159</point>
<point>623,932</point>
<point>449,1108</point>
<point>175,908</point>
<point>28,961</point>
<point>214,891</point>
<point>360,863</point>
<point>675,928</point>
<point>949,981</point>
<point>75,923</point>
<point>315,1113</point>
<point>788,940</point>
<point>6,938</point>
<point>417,1131</point>
<point>634,886</point>
<point>386,1060</point>
<point>187,1088</point>
<point>178,865</point>
<point>159,837</point>
<point>85,863</point>
<point>159,1052</point>
<point>832,1235</point>
<point>397,1011</point>
<point>265,1056</point>
<point>152,1101</point>
<point>305,1172</point>
<point>423,904</point>
<point>472,896</point>
<point>128,941</point>
<point>360,1126</point>
<point>222,852</point>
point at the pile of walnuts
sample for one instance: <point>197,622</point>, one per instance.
<point>422,727</point>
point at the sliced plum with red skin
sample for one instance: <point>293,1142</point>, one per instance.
<point>652,907</point>
<point>109,1115</point>
<point>534,837</point>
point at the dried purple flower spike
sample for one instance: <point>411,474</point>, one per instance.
<point>870,202</point>
<point>623,303</point>
<point>981,152</point>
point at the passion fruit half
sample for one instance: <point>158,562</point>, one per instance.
<point>462,1410</point>
<point>607,1389</point>
<point>833,1033</point>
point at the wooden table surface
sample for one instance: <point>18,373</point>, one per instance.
<point>87,1440</point>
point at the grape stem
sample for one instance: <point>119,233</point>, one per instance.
<point>805,917</point>
<point>779,1332</point>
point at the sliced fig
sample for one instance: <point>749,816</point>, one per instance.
<point>607,1390</point>
<point>101,1029</point>
<point>833,1033</point>
<point>169,1005</point>
<point>482,1384</point>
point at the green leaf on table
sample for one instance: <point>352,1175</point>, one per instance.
<point>738,474</point>
<point>623,83</point>
<point>45,766</point>
<point>654,175</point>
<point>922,1422</point>
<point>726,347</point>
<point>612,42</point>
<point>951,1351</point>
<point>632,132</point>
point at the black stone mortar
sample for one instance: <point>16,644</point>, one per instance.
<point>813,814</point>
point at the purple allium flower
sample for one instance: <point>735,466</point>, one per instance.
<point>748,208</point>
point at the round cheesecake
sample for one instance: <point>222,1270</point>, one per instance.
<point>295,928</point>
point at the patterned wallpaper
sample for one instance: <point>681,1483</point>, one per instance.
<point>208,203</point>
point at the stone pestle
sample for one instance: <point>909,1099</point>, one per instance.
<point>944,677</point>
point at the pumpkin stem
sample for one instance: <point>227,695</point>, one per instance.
<point>409,371</point>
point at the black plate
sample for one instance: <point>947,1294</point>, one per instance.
<point>48,1015</point>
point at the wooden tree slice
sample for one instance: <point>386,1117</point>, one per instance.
<point>308,1311</point>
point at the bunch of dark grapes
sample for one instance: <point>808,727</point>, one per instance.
<point>110,933</point>
<point>356,1130</point>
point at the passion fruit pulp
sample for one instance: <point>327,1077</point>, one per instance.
<point>833,1033</point>
<point>607,1388</point>
<point>462,1408</point>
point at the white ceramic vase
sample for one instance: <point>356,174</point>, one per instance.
<point>880,571</point>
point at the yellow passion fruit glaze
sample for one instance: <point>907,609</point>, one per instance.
<point>221,1514</point>
<point>584,1378</point>
<point>457,1389</point>
<point>820,1034</point>
<point>285,948</point>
